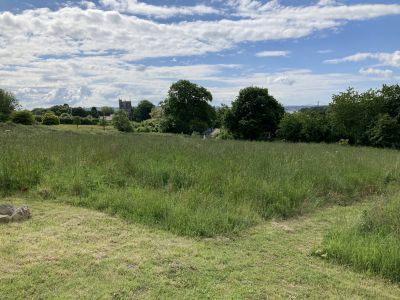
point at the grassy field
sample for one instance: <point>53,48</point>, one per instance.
<point>369,242</point>
<point>189,218</point>
<point>68,252</point>
<point>188,186</point>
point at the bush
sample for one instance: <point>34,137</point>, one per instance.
<point>121,121</point>
<point>224,134</point>
<point>49,118</point>
<point>89,121</point>
<point>24,117</point>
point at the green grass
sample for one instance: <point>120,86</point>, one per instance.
<point>188,186</point>
<point>370,242</point>
<point>67,252</point>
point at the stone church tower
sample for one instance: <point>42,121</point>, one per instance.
<point>126,106</point>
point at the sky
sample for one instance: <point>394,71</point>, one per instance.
<point>92,53</point>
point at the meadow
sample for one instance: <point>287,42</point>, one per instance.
<point>188,185</point>
<point>179,216</point>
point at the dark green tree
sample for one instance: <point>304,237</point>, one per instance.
<point>79,111</point>
<point>60,109</point>
<point>187,108</point>
<point>351,114</point>
<point>391,99</point>
<point>255,114</point>
<point>8,103</point>
<point>107,111</point>
<point>94,112</point>
<point>386,132</point>
<point>142,111</point>
<point>221,112</point>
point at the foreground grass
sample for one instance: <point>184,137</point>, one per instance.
<point>370,242</point>
<point>68,252</point>
<point>186,185</point>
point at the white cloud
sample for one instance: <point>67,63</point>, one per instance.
<point>324,51</point>
<point>272,53</point>
<point>376,72</point>
<point>386,59</point>
<point>141,8</point>
<point>90,56</point>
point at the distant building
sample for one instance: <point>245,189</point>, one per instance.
<point>127,106</point>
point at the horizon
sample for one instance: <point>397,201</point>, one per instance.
<point>91,53</point>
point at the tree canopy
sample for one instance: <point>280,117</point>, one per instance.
<point>255,114</point>
<point>142,111</point>
<point>187,108</point>
<point>8,103</point>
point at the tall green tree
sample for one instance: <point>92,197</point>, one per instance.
<point>351,114</point>
<point>142,111</point>
<point>8,103</point>
<point>255,114</point>
<point>107,111</point>
<point>391,99</point>
<point>58,110</point>
<point>94,112</point>
<point>79,111</point>
<point>187,108</point>
<point>386,132</point>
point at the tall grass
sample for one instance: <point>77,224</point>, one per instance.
<point>187,185</point>
<point>371,243</point>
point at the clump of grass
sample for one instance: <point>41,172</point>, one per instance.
<point>371,243</point>
<point>185,185</point>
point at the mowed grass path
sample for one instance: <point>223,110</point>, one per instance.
<point>67,252</point>
<point>185,185</point>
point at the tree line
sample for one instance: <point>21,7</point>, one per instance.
<point>371,118</point>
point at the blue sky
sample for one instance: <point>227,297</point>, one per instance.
<point>91,53</point>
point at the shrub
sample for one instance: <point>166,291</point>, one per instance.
<point>89,121</point>
<point>24,117</point>
<point>49,118</point>
<point>121,121</point>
